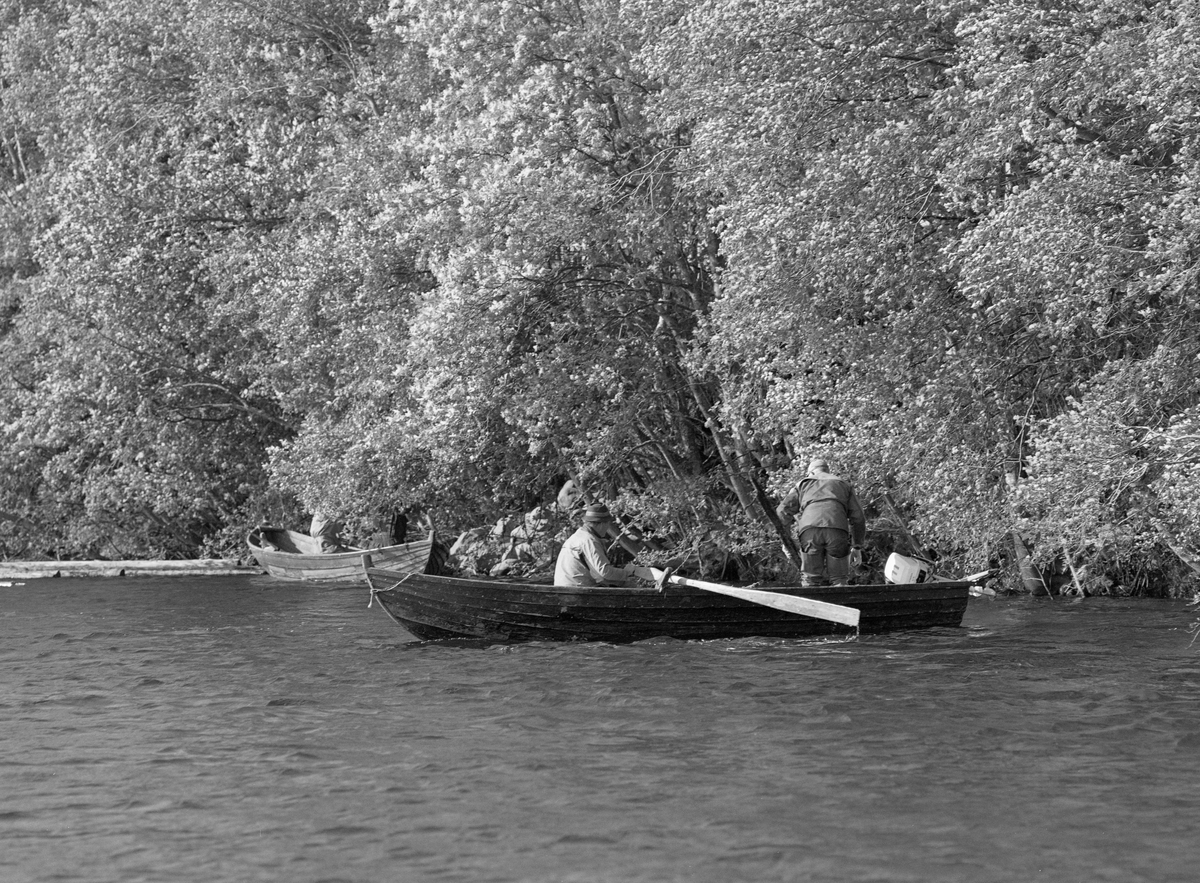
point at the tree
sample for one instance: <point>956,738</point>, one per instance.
<point>569,273</point>
<point>934,218</point>
<point>146,397</point>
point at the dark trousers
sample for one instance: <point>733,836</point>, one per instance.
<point>824,556</point>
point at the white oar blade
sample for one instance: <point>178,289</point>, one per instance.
<point>789,603</point>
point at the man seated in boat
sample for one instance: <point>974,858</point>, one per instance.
<point>328,533</point>
<point>583,560</point>
<point>830,525</point>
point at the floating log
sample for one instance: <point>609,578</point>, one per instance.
<point>187,567</point>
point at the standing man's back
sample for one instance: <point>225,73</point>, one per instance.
<point>830,524</point>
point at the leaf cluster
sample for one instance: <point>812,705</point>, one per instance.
<point>260,259</point>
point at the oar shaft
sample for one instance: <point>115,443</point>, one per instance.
<point>789,603</point>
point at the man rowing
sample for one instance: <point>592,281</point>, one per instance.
<point>583,560</point>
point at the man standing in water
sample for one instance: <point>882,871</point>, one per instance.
<point>831,525</point>
<point>583,560</point>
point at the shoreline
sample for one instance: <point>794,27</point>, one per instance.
<point>196,567</point>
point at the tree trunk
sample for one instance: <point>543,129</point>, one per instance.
<point>1187,556</point>
<point>913,545</point>
<point>1030,576</point>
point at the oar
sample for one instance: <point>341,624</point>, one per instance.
<point>790,603</point>
<point>974,579</point>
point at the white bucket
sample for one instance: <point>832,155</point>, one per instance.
<point>902,570</point>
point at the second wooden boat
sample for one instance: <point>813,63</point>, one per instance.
<point>289,554</point>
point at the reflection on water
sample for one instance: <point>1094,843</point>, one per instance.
<point>244,729</point>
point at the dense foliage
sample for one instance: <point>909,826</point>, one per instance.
<point>264,258</point>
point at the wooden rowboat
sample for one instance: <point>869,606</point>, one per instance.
<point>288,554</point>
<point>436,607</point>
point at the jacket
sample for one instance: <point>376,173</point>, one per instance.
<point>825,500</point>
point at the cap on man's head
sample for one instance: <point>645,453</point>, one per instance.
<point>818,465</point>
<point>597,512</point>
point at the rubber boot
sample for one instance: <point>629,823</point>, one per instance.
<point>839,570</point>
<point>812,569</point>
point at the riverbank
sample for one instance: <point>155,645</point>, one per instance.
<point>192,567</point>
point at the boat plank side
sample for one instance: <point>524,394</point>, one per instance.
<point>431,621</point>
<point>595,623</point>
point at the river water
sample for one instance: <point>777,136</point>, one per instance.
<point>245,729</point>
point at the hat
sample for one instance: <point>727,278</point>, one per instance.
<point>597,512</point>
<point>818,465</point>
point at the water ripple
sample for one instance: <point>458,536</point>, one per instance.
<point>229,729</point>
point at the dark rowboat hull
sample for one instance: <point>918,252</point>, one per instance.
<point>438,607</point>
<point>288,554</point>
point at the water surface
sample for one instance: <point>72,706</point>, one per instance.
<point>245,729</point>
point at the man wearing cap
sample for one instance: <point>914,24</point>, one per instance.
<point>583,560</point>
<point>830,525</point>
